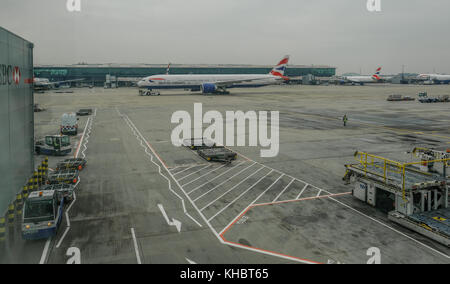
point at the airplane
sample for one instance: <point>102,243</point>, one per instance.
<point>375,78</point>
<point>213,84</point>
<point>43,84</point>
<point>435,78</point>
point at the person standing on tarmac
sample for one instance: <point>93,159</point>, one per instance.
<point>345,119</point>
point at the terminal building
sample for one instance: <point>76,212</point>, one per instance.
<point>16,118</point>
<point>96,74</point>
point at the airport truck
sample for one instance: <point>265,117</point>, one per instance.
<point>53,145</point>
<point>63,190</point>
<point>69,124</point>
<point>42,215</point>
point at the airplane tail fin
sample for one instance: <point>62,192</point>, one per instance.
<point>376,76</point>
<point>280,68</point>
<point>168,69</point>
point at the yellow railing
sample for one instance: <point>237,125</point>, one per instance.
<point>387,166</point>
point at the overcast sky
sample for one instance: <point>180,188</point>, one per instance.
<point>340,33</point>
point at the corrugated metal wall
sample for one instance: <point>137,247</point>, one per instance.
<point>16,115</point>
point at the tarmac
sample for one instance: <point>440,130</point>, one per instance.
<point>143,200</point>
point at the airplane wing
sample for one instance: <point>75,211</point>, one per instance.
<point>232,82</point>
<point>62,82</point>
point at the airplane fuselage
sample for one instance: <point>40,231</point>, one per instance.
<point>437,78</point>
<point>195,82</point>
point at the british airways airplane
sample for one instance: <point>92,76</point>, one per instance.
<point>364,79</point>
<point>213,84</point>
<point>435,78</point>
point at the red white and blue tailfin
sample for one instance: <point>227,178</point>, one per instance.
<point>280,68</point>
<point>168,69</point>
<point>376,76</point>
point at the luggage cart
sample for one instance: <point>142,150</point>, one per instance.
<point>72,164</point>
<point>63,177</point>
<point>222,155</point>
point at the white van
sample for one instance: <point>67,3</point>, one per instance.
<point>69,124</point>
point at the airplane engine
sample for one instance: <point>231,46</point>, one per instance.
<point>208,88</point>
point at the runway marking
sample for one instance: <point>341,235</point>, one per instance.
<point>183,178</point>
<point>221,237</point>
<point>239,197</point>
<point>281,193</point>
<point>228,191</point>
<point>87,127</point>
<point>264,251</point>
<point>213,179</point>
<point>177,173</point>
<point>204,175</point>
<point>265,191</point>
<point>45,252</point>
<point>136,250</point>
<point>67,219</point>
<point>84,141</point>
<point>303,190</point>
<point>227,180</point>
<point>184,166</point>
<point>143,141</point>
<point>213,230</point>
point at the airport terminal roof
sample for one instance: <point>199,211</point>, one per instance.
<point>117,65</point>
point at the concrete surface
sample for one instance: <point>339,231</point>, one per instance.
<point>131,162</point>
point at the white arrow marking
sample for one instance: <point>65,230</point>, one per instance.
<point>174,222</point>
<point>190,261</point>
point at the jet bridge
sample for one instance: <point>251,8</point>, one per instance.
<point>413,194</point>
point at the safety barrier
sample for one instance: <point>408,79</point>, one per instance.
<point>2,229</point>
<point>11,214</point>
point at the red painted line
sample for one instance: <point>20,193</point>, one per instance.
<point>154,152</point>
<point>272,252</point>
<point>235,220</point>
<point>222,235</point>
<point>303,199</point>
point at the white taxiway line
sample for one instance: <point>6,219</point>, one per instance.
<point>47,244</point>
<point>318,194</point>
<point>231,189</point>
<point>142,140</point>
<point>216,177</point>
<point>303,190</point>
<point>287,186</point>
<point>183,178</point>
<point>237,198</point>
<point>265,191</point>
<point>213,230</point>
<point>136,249</point>
<point>44,253</point>
<point>227,180</point>
<point>205,175</point>
<point>177,173</point>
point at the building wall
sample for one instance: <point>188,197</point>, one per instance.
<point>98,74</point>
<point>16,116</point>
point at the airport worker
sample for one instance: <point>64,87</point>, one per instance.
<point>345,119</point>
